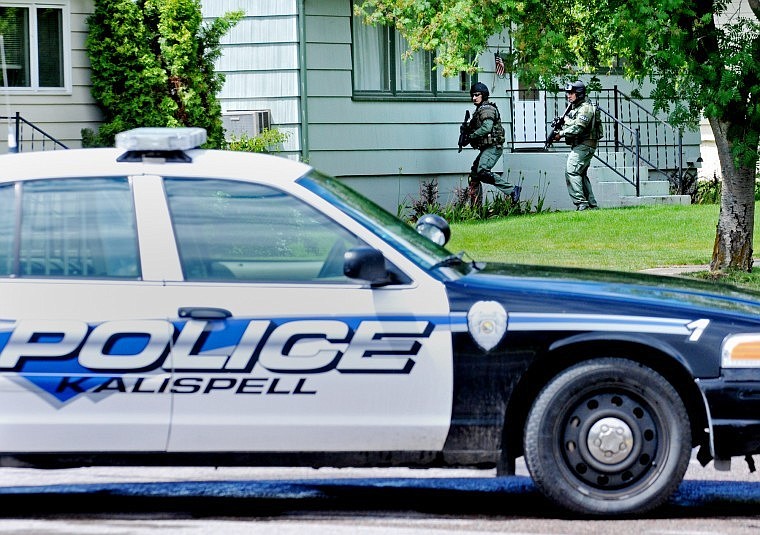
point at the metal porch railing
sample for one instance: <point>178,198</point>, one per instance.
<point>634,136</point>
<point>30,137</point>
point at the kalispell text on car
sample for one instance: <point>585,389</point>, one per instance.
<point>164,304</point>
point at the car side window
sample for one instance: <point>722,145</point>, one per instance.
<point>229,230</point>
<point>7,222</point>
<point>78,228</point>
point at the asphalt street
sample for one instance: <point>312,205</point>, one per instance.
<point>143,500</point>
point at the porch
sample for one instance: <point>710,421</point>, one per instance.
<point>641,159</point>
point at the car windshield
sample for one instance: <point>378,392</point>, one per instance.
<point>390,228</point>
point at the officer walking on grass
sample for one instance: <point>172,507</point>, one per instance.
<point>486,133</point>
<point>581,131</point>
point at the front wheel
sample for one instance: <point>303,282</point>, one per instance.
<point>608,437</point>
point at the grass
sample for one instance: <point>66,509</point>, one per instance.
<point>623,239</point>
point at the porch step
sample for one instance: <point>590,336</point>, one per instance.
<point>605,174</point>
<point>621,189</point>
<point>647,200</point>
<point>611,190</point>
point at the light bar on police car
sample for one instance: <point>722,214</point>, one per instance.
<point>160,139</point>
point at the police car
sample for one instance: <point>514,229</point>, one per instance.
<point>165,304</point>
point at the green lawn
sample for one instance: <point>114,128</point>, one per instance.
<point>625,239</point>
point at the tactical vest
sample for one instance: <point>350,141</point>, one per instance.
<point>594,129</point>
<point>497,136</point>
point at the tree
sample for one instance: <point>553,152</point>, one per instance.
<point>153,65</point>
<point>700,56</point>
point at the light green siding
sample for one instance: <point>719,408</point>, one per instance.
<point>364,140</point>
<point>62,113</point>
<point>260,61</point>
<point>294,59</point>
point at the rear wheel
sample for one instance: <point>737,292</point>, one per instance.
<point>608,437</point>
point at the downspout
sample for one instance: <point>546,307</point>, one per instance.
<point>303,95</point>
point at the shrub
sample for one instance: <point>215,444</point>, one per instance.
<point>707,191</point>
<point>460,208</point>
<point>153,65</point>
<point>269,140</point>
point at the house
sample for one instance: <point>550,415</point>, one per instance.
<point>352,107</point>
<point>48,70</point>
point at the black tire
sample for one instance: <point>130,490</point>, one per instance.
<point>608,437</point>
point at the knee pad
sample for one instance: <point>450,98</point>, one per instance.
<point>486,176</point>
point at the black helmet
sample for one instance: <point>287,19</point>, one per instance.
<point>577,87</point>
<point>479,87</point>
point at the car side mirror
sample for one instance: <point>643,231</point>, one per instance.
<point>367,264</point>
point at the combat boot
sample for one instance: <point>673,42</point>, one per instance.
<point>515,195</point>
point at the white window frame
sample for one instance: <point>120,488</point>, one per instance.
<point>34,67</point>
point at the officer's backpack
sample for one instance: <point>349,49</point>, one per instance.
<point>498,133</point>
<point>597,125</point>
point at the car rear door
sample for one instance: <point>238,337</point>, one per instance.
<point>82,343</point>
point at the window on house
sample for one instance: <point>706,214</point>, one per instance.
<point>34,44</point>
<point>380,67</point>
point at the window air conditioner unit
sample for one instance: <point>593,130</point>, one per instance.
<point>250,123</point>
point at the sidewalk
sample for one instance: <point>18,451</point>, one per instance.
<point>676,270</point>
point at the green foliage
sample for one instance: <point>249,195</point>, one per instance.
<point>702,58</point>
<point>268,141</point>
<point>460,208</point>
<point>427,202</point>
<point>735,277</point>
<point>153,65</point>
<point>695,65</point>
<point>627,239</point>
<point>708,191</point>
<point>6,20</point>
<point>624,239</point>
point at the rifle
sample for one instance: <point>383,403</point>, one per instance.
<point>556,127</point>
<point>463,128</point>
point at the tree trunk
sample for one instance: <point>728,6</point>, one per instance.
<point>734,235</point>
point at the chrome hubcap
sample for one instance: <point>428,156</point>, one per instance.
<point>610,440</point>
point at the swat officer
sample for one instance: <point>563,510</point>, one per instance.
<point>580,130</point>
<point>486,133</point>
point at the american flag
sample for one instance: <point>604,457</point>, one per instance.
<point>499,64</point>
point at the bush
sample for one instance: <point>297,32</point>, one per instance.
<point>153,65</point>
<point>268,141</point>
<point>460,208</point>
<point>708,191</point>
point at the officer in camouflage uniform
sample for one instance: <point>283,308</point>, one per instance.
<point>581,131</point>
<point>486,134</point>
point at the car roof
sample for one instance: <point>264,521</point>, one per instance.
<point>103,162</point>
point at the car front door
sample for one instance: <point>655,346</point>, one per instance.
<point>277,350</point>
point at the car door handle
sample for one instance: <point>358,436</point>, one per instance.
<point>204,313</point>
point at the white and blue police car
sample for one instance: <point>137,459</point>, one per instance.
<point>160,303</point>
